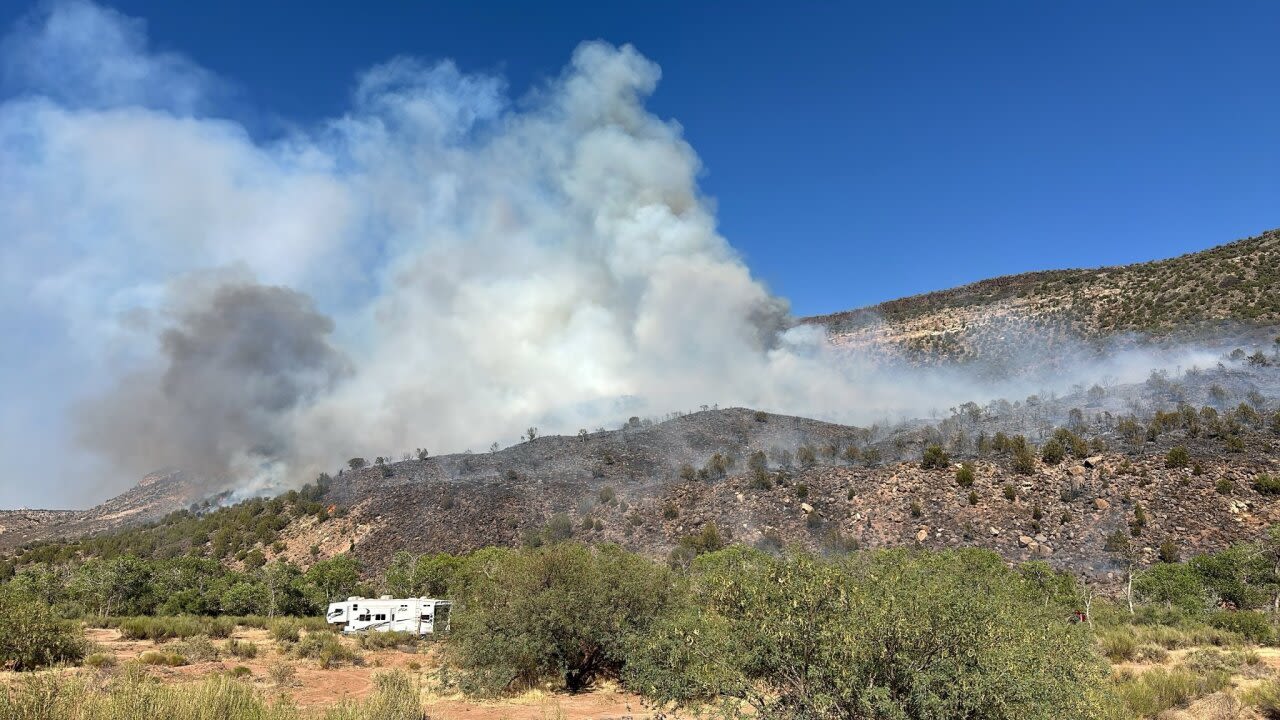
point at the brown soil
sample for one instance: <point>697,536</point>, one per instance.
<point>315,687</point>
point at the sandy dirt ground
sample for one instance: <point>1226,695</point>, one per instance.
<point>314,687</point>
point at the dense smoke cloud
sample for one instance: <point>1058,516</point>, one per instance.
<point>487,266</point>
<point>234,360</point>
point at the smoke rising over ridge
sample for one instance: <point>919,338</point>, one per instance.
<point>439,266</point>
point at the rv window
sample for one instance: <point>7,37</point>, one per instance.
<point>355,606</point>
<point>364,617</point>
<point>380,616</point>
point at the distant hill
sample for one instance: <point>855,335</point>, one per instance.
<point>1230,289</point>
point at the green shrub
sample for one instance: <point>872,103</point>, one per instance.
<point>32,637</point>
<point>1252,625</point>
<point>160,629</point>
<point>157,657</point>
<point>1024,460</point>
<point>1265,697</point>
<point>1224,486</point>
<point>1052,453</point>
<point>328,649</point>
<point>965,475</point>
<point>1010,493</point>
<point>1267,484</point>
<point>1119,645</point>
<point>890,635</point>
<point>286,630</point>
<point>934,457</point>
<point>393,639</point>
<point>555,614</point>
<point>197,648</point>
<point>100,660</point>
<point>1177,457</point>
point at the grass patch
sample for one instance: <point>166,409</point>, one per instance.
<point>396,696</point>
<point>396,639</point>
<point>1150,693</point>
<point>160,629</point>
<point>157,657</point>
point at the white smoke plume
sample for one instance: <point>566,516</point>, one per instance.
<point>487,265</point>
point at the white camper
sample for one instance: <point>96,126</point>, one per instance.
<point>423,616</point>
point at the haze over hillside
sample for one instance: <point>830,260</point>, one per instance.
<point>1225,292</point>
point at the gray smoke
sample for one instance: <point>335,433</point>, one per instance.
<point>234,359</point>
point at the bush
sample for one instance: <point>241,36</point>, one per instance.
<point>965,475</point>
<point>327,648</point>
<point>1224,486</point>
<point>100,660</point>
<point>242,649</point>
<point>1267,484</point>
<point>1024,461</point>
<point>1177,457</point>
<point>198,648</point>
<point>281,673</point>
<point>1251,625</point>
<point>556,614</point>
<point>157,657</point>
<point>1118,645</point>
<point>286,630</point>
<point>1010,493</point>
<point>32,637</point>
<point>392,639</point>
<point>1052,453</point>
<point>1265,697</point>
<point>891,634</point>
<point>934,457</point>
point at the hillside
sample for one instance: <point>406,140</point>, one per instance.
<point>1225,291</point>
<point>154,497</point>
<point>772,481</point>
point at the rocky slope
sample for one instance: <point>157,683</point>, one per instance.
<point>155,496</point>
<point>1227,291</point>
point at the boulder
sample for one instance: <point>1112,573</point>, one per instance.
<point>806,507</point>
<point>1101,504</point>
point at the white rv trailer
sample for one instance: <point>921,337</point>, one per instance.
<point>423,616</point>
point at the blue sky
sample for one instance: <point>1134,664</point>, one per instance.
<point>857,151</point>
